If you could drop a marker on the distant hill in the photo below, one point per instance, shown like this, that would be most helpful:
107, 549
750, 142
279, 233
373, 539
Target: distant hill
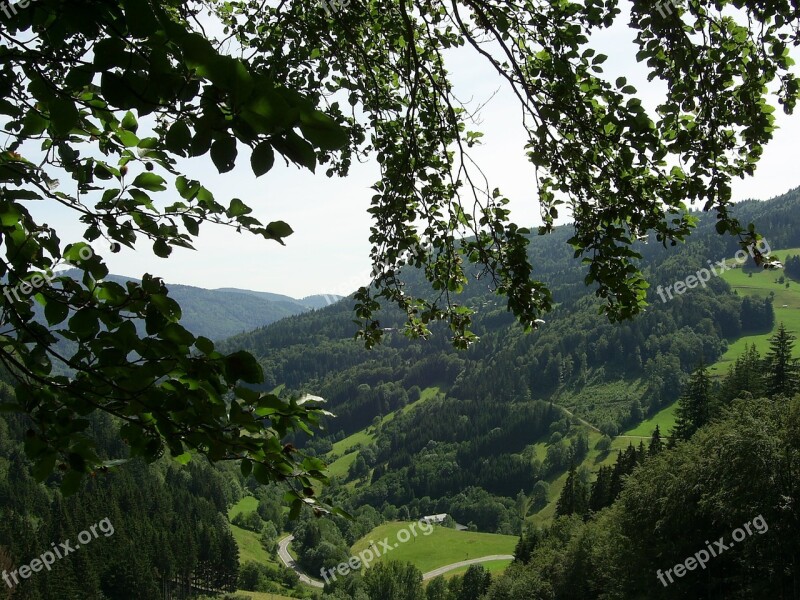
307, 303
222, 313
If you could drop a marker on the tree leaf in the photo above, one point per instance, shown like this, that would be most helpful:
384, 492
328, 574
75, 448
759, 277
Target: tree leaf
223, 153
262, 159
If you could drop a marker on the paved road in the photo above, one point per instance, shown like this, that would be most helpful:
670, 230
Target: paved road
464, 563
283, 553
286, 558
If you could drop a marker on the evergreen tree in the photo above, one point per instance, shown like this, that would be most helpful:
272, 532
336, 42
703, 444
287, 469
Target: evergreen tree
475, 583
600, 496
656, 445
573, 498
782, 370
694, 405
745, 377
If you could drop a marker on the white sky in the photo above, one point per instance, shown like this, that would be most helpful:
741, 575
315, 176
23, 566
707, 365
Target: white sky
329, 251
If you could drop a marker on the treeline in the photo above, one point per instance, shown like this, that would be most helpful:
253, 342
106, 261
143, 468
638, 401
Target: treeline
395, 580
733, 459
170, 536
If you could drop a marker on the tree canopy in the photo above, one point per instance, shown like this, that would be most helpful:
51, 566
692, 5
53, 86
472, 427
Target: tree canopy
103, 100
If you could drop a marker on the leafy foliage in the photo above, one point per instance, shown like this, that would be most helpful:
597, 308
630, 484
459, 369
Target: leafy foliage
101, 100
114, 93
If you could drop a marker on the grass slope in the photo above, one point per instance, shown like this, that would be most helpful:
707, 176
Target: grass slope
246, 505
786, 304
346, 451
495, 567
250, 548
442, 547
664, 419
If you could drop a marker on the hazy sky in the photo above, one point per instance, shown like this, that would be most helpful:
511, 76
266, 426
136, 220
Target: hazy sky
329, 251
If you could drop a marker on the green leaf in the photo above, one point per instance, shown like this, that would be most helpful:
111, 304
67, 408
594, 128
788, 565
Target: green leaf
296, 149
261, 473
238, 208
44, 466
279, 229
128, 138
129, 122
108, 53
223, 153
262, 159
115, 91
179, 138
141, 20
150, 182
205, 345
243, 366
63, 115
84, 323
177, 334
322, 131
71, 482
162, 248
55, 312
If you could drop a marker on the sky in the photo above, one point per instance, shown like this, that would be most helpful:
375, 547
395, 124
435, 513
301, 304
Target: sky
329, 250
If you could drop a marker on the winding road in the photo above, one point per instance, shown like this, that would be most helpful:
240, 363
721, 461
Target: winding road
465, 563
286, 558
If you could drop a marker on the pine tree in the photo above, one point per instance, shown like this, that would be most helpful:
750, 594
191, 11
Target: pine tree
656, 445
601, 490
782, 371
574, 497
745, 378
694, 405
566, 501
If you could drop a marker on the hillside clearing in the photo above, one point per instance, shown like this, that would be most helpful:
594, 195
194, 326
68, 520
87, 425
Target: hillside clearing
442, 547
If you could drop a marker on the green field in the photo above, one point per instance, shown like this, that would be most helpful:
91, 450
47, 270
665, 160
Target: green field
495, 567
786, 304
340, 466
250, 548
665, 419
246, 505
442, 547
359, 437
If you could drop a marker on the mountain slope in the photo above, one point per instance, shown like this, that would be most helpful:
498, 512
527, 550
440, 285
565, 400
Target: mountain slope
494, 432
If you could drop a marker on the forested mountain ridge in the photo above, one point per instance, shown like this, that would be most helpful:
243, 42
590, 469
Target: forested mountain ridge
313, 351
220, 313
472, 447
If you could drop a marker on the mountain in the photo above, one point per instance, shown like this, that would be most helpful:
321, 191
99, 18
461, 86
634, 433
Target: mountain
501, 424
309, 302
221, 313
